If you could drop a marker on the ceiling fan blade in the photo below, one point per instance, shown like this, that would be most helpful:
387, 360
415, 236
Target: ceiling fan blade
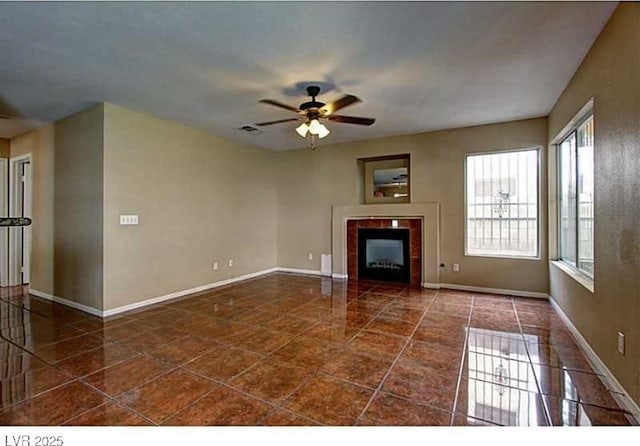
351, 119
279, 104
8, 111
262, 124
343, 102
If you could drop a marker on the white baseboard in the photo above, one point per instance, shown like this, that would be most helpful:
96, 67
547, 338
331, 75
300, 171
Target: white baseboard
339, 276
625, 401
479, 289
198, 289
311, 272
153, 300
67, 302
160, 299
431, 286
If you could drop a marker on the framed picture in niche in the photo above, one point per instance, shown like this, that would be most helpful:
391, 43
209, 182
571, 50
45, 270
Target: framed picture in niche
387, 180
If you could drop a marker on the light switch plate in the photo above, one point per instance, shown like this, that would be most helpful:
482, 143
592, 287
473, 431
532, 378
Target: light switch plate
128, 220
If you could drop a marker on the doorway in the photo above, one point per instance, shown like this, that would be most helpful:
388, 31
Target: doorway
4, 231
19, 206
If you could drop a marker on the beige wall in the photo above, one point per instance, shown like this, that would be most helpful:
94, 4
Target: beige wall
4, 148
200, 199
610, 74
78, 267
310, 182
66, 253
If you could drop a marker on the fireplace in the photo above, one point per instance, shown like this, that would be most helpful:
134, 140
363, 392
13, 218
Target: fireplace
383, 254
404, 232
422, 220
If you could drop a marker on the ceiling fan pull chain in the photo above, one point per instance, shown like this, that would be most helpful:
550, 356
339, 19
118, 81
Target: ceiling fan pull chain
313, 142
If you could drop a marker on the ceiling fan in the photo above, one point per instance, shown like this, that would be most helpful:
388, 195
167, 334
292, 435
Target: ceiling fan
313, 111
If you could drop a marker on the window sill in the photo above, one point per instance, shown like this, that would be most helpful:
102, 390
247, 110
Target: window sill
496, 256
577, 276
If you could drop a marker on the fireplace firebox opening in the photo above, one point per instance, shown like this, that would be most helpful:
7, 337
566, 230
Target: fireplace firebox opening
383, 254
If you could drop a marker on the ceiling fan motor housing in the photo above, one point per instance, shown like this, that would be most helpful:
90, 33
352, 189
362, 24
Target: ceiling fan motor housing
313, 91
311, 104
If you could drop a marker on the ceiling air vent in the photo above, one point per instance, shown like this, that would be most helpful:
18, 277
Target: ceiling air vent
250, 129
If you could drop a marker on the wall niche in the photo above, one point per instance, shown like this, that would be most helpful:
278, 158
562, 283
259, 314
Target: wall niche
386, 179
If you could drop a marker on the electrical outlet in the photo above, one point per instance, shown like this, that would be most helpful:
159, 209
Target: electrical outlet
215, 266
456, 267
310, 256
230, 263
621, 343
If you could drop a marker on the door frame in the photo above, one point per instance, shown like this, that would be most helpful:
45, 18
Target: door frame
15, 202
4, 212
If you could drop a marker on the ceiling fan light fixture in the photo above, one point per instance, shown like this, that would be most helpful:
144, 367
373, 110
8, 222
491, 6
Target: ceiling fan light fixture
314, 127
312, 111
302, 129
323, 131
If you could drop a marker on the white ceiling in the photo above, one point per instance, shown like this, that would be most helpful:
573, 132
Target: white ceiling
417, 66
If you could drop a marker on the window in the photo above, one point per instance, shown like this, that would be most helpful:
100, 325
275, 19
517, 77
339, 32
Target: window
502, 204
575, 179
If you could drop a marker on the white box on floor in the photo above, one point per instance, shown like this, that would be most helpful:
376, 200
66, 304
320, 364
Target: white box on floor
325, 264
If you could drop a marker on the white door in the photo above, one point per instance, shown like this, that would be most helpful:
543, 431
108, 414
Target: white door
25, 254
20, 206
4, 231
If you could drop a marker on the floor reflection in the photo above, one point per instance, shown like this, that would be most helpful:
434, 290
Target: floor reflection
572, 413
514, 380
501, 381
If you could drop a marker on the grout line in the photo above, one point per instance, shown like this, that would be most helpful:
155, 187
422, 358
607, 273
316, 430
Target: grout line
113, 401
460, 369
296, 414
64, 423
342, 348
395, 361
262, 357
542, 394
547, 415
272, 405
11, 406
345, 380
121, 361
286, 398
115, 398
222, 384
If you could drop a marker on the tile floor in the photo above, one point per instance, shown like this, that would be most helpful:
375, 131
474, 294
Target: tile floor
295, 350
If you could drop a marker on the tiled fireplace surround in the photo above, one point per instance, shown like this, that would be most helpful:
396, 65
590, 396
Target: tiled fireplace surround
422, 219
414, 225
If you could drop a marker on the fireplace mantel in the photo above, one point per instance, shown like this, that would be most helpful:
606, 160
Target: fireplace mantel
428, 212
